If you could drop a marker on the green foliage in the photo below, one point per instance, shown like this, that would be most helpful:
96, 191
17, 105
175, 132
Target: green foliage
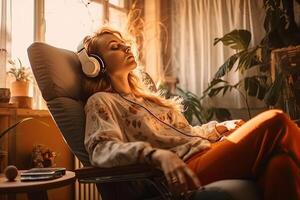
19, 71
281, 31
236, 39
193, 108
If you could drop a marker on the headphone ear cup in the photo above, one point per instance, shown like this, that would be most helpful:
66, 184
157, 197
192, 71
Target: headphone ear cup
90, 65
95, 66
99, 61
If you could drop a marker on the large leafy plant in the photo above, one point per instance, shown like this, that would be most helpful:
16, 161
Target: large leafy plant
281, 30
194, 111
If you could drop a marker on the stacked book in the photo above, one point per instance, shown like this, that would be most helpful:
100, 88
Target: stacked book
38, 174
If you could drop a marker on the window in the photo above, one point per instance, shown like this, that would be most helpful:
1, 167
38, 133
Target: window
61, 23
22, 28
68, 23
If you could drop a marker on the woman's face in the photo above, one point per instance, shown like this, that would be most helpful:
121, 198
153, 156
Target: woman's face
117, 56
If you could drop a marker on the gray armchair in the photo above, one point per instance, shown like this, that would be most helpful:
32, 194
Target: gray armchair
58, 75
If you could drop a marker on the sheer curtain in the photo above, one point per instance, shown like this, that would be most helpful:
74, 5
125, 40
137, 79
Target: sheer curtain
195, 24
5, 38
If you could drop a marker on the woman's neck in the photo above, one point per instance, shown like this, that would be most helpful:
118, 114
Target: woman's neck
121, 84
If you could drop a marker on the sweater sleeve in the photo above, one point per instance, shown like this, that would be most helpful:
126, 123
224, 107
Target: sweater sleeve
207, 130
104, 140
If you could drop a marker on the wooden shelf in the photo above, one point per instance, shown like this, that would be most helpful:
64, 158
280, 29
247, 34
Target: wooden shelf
22, 112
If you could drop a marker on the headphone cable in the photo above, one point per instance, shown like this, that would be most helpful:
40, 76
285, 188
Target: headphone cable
161, 121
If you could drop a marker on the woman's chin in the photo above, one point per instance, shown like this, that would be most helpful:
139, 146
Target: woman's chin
132, 65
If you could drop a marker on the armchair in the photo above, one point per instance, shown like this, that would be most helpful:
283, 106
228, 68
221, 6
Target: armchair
57, 72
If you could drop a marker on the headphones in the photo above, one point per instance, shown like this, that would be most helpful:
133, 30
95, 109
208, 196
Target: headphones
91, 64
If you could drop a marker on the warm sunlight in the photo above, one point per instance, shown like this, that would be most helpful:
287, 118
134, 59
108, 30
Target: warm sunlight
22, 28
68, 23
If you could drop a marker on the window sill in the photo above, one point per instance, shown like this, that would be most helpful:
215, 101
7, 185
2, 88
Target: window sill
23, 112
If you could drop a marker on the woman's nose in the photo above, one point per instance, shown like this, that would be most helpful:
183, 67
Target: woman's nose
126, 49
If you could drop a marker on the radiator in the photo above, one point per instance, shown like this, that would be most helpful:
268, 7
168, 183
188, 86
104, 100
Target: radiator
85, 191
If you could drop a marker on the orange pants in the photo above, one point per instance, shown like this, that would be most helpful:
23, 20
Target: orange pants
265, 149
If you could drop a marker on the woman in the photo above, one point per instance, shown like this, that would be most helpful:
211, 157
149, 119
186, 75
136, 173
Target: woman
127, 124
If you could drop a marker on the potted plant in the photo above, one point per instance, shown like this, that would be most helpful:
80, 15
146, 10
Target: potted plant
281, 31
20, 86
194, 111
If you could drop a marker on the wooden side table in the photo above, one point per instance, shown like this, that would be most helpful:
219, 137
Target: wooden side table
34, 189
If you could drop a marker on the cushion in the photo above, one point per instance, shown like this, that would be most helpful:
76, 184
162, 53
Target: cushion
56, 71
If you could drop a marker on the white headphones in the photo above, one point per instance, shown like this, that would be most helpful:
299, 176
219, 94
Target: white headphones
91, 64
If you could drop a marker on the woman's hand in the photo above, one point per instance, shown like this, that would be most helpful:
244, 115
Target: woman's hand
227, 127
180, 178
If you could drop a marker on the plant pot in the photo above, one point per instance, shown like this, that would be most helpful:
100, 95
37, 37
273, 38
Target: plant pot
19, 88
22, 101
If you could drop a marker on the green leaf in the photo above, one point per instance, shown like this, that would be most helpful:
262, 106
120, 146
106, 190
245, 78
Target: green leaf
274, 92
256, 86
227, 66
212, 84
216, 91
236, 39
222, 114
247, 60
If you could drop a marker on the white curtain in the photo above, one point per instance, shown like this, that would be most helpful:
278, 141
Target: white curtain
5, 38
195, 24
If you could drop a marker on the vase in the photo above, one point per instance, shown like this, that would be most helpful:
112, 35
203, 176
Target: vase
19, 88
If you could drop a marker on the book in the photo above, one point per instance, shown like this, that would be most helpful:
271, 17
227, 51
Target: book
37, 174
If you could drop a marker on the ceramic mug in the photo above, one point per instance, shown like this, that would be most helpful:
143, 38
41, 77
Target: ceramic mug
4, 95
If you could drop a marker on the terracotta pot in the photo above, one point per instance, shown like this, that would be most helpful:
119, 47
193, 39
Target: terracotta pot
19, 88
4, 95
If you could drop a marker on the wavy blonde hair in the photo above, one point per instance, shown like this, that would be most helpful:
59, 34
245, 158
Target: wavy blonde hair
138, 85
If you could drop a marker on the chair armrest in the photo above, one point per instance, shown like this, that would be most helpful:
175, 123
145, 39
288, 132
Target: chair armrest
122, 173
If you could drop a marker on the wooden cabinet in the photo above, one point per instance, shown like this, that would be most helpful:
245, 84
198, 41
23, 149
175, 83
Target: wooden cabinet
20, 141
285, 71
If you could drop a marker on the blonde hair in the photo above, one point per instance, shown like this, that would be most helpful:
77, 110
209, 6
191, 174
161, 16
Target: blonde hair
138, 85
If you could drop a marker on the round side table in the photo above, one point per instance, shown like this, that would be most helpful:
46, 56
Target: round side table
34, 189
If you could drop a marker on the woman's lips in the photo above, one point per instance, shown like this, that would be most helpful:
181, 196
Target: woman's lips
129, 57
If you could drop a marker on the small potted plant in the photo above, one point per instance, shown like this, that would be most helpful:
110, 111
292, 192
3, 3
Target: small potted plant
20, 86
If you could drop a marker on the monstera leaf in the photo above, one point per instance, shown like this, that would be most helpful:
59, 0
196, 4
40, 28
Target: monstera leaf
227, 66
256, 86
236, 39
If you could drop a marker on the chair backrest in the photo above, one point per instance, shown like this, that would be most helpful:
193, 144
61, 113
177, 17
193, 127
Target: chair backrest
58, 75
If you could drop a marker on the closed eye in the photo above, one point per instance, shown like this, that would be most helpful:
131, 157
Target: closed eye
115, 46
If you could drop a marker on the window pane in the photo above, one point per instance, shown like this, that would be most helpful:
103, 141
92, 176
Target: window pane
22, 29
68, 21
117, 2
117, 19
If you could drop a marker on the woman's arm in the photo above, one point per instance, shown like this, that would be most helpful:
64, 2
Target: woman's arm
105, 144
104, 140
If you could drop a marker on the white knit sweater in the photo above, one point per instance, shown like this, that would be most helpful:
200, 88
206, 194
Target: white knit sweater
121, 133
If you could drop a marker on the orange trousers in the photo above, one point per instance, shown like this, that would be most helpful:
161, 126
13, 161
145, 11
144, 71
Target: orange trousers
265, 149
